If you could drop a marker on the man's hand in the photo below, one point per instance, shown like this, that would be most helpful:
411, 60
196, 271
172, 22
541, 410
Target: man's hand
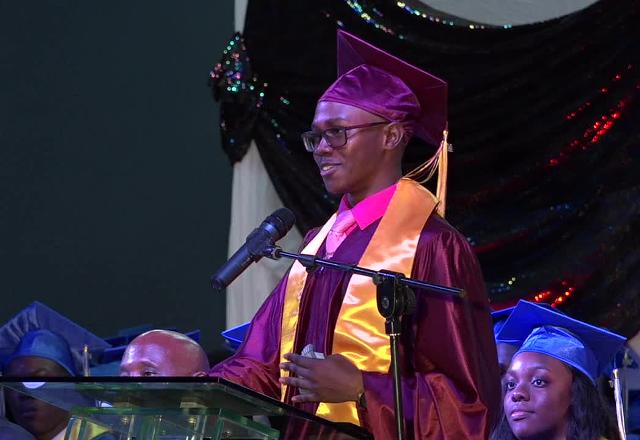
333, 380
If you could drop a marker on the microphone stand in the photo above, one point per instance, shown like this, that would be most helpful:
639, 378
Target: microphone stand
394, 299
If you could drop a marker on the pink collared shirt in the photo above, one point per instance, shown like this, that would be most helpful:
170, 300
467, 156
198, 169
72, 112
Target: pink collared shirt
370, 209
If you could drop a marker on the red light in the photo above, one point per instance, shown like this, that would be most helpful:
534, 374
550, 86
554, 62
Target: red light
553, 162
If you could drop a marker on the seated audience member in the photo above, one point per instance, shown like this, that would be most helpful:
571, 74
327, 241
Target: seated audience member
40, 342
550, 386
40, 353
164, 353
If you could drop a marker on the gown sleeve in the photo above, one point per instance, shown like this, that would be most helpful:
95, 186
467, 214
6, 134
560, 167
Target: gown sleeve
256, 363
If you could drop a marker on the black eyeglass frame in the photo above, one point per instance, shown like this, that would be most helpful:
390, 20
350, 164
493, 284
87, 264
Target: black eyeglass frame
311, 139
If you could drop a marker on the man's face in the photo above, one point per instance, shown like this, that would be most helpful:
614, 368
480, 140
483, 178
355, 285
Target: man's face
354, 168
158, 355
537, 396
39, 418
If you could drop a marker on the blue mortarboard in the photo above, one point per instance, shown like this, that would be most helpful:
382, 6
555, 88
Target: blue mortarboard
499, 317
48, 345
38, 316
234, 336
542, 330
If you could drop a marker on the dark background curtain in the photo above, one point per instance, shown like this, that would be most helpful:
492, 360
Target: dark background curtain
544, 120
113, 187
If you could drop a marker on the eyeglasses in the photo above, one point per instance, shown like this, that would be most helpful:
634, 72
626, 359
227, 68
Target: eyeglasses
335, 137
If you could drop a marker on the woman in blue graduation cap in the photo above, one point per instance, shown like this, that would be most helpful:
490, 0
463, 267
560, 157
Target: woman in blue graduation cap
550, 386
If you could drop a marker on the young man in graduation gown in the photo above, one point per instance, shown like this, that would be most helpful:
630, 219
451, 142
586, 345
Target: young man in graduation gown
386, 221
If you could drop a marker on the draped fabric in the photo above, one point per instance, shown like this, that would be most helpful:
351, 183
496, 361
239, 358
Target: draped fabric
543, 119
253, 198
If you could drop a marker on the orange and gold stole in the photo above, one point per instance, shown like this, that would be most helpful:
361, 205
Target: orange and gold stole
359, 332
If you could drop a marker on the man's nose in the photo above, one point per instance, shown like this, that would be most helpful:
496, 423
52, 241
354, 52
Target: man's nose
323, 148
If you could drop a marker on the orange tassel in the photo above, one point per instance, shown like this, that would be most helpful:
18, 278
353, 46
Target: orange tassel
438, 162
443, 166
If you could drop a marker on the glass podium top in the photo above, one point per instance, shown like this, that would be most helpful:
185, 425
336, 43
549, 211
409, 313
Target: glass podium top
169, 408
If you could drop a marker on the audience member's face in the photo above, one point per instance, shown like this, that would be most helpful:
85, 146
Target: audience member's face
41, 419
160, 355
505, 353
537, 396
354, 167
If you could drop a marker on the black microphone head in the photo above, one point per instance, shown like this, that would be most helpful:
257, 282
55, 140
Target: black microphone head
283, 220
272, 229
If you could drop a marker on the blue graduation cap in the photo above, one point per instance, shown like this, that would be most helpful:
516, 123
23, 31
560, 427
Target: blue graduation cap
538, 329
48, 345
234, 336
40, 331
499, 317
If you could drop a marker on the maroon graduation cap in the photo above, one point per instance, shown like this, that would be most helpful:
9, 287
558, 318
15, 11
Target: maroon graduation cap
375, 81
382, 84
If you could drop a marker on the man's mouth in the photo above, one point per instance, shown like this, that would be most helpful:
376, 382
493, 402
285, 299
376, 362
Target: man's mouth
328, 168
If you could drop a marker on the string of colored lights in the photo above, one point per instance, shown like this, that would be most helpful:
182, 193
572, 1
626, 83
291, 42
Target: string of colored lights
234, 75
599, 127
374, 17
591, 135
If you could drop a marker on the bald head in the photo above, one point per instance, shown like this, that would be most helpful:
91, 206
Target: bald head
164, 353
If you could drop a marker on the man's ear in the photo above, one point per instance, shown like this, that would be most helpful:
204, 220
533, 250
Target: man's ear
394, 136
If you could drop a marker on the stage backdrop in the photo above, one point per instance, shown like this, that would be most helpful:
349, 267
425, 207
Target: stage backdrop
114, 192
544, 122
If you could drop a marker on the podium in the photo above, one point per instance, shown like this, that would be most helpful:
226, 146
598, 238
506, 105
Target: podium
164, 408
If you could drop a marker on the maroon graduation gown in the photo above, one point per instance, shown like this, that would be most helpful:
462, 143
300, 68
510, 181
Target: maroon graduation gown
450, 376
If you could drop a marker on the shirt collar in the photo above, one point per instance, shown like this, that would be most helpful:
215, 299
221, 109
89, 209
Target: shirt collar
370, 209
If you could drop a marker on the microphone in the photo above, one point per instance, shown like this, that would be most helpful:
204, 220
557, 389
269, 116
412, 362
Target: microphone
272, 229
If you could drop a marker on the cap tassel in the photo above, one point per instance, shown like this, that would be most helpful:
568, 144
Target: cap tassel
443, 166
439, 161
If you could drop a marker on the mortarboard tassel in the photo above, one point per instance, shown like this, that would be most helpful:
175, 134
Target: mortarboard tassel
443, 166
620, 414
438, 162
